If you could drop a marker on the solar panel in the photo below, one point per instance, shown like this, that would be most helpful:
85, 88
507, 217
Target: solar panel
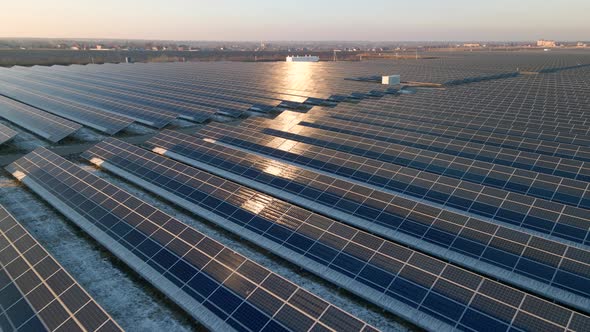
475, 151
36, 293
143, 112
209, 84
44, 124
554, 149
217, 286
173, 96
398, 279
88, 116
476, 241
144, 96
442, 109
545, 217
6, 134
462, 167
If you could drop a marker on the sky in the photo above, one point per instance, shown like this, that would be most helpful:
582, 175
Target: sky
290, 20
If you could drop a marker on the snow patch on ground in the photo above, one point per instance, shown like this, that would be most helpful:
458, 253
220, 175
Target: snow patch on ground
180, 123
137, 129
87, 135
358, 307
222, 118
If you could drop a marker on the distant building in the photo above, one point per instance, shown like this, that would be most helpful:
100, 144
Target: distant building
100, 48
305, 58
470, 45
580, 44
391, 80
546, 43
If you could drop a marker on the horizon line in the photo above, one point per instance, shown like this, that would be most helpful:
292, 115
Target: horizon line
295, 40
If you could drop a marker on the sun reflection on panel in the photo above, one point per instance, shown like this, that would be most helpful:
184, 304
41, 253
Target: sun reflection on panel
273, 170
256, 204
298, 75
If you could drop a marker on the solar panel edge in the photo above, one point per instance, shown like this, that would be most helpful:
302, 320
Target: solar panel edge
48, 255
46, 135
197, 310
72, 126
466, 262
421, 319
8, 132
17, 287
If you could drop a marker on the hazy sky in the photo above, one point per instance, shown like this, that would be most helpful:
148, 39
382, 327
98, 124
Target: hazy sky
298, 19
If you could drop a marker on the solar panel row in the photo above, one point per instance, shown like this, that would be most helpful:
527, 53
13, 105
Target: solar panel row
219, 287
462, 167
243, 79
6, 134
36, 293
143, 113
302, 81
506, 114
501, 156
544, 217
154, 94
131, 93
44, 124
382, 213
88, 116
554, 149
181, 98
401, 280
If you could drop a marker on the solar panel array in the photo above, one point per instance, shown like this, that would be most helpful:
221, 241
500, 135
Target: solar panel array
71, 110
385, 273
155, 94
465, 207
217, 286
386, 213
44, 124
36, 293
79, 93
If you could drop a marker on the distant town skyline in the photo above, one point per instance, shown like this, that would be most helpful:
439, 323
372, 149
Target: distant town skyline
372, 20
